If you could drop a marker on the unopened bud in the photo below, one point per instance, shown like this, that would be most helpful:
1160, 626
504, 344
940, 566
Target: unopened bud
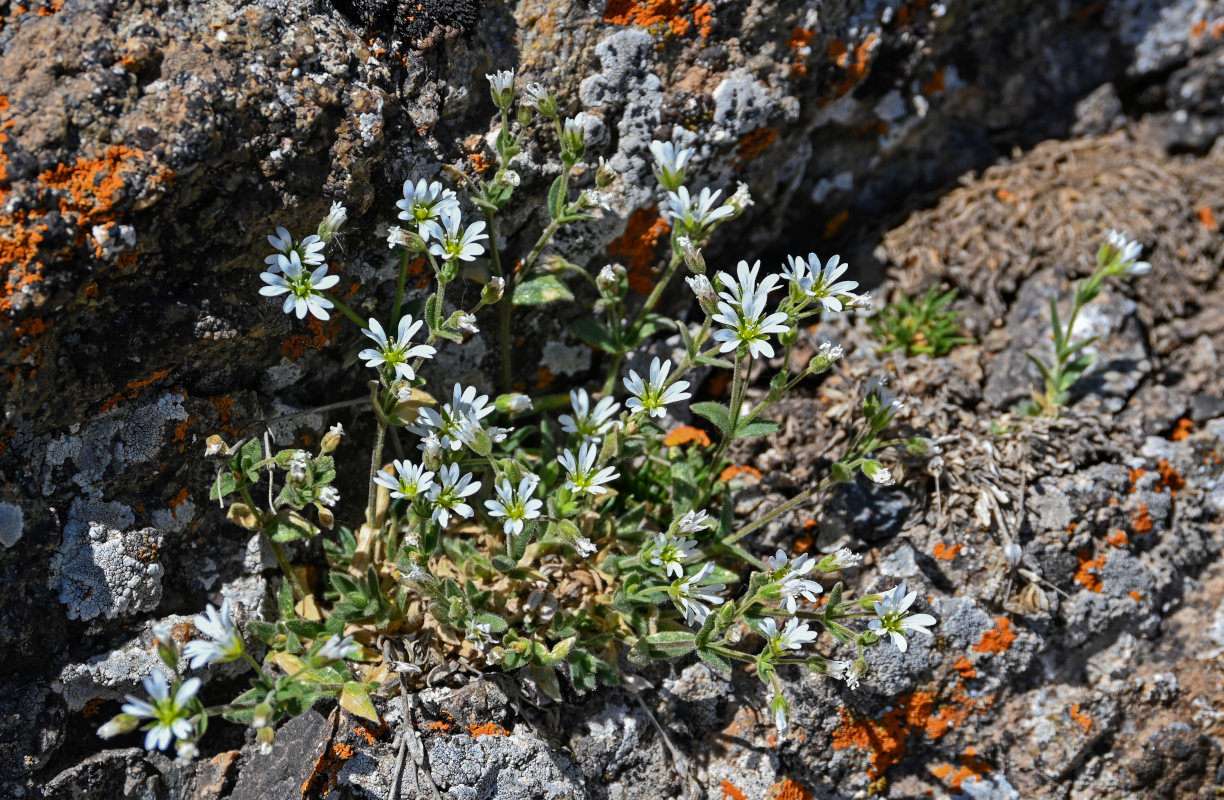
331, 439
266, 738
326, 517
514, 403
608, 280
263, 715
242, 514
493, 290
431, 453
119, 725
167, 649
692, 256
605, 176
501, 87
706, 295
573, 135
333, 222
409, 240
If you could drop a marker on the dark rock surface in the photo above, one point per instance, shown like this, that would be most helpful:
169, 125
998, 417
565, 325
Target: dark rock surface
147, 148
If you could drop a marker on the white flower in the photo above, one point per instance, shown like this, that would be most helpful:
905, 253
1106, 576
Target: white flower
451, 240
501, 86
398, 237
877, 394
329, 496
746, 327
671, 553
846, 670
878, 472
653, 395
820, 283
704, 290
424, 202
170, 713
694, 596
669, 164
298, 466
589, 423
793, 637
448, 496
741, 199
467, 323
409, 482
744, 284
517, 506
335, 220
780, 710
309, 250
693, 215
790, 580
459, 420
337, 649
585, 546
302, 289
479, 634
583, 477
510, 177
694, 521
185, 751
540, 99
517, 403
224, 642
573, 133
891, 620
1119, 249
842, 559
395, 353
608, 281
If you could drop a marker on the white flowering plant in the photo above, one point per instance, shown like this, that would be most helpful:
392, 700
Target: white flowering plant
514, 539
1117, 257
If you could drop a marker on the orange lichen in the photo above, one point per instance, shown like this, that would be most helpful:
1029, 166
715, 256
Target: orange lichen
1135, 475
735, 471
916, 712
178, 499
91, 188
788, 789
1207, 218
935, 84
1170, 478
1198, 28
1183, 429
1081, 719
1135, 595
945, 553
971, 766
1118, 538
686, 434
732, 792
753, 144
669, 17
1141, 519
544, 377
835, 224
638, 245
480, 162
323, 776
370, 734
799, 42
487, 729
296, 345
856, 64
133, 388
997, 639
1085, 575
965, 668
91, 708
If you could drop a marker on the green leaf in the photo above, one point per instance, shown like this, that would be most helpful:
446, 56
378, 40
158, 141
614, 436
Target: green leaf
546, 680
757, 427
710, 361
541, 290
716, 413
282, 530
493, 621
716, 660
284, 599
356, 700
503, 563
263, 631
556, 200
690, 348
225, 484
595, 334
662, 645
250, 455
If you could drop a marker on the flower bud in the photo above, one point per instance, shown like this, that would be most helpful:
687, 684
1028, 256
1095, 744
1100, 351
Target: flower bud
692, 256
326, 517
605, 176
266, 738
706, 295
877, 472
493, 291
431, 454
263, 715
741, 199
167, 648
573, 135
409, 240
842, 472
119, 725
242, 514
608, 280
464, 321
333, 222
331, 439
186, 750
501, 87
514, 403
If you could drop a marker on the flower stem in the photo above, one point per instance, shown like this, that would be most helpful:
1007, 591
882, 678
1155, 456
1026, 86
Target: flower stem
380, 437
794, 502
348, 312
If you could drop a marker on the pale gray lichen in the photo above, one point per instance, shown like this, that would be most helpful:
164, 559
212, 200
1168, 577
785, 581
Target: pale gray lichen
12, 524
109, 676
102, 569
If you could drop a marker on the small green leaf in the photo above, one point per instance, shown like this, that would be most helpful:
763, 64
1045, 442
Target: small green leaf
556, 200
225, 484
284, 599
716, 413
282, 530
757, 427
541, 290
496, 623
716, 660
595, 334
